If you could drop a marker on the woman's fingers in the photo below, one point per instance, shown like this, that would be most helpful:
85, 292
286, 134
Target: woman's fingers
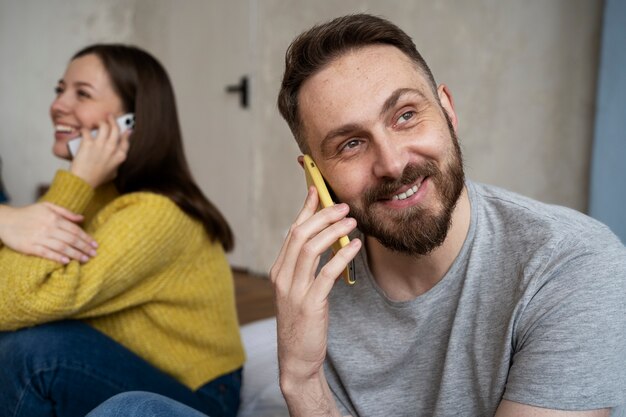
71, 233
63, 212
48, 231
98, 159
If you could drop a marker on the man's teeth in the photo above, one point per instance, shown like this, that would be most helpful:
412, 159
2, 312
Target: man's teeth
408, 193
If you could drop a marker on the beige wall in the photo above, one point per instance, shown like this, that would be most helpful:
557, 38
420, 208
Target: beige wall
522, 74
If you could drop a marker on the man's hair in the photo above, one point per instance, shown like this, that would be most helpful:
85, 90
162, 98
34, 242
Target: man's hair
318, 46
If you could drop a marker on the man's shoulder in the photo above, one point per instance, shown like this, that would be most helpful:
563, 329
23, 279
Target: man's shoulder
523, 217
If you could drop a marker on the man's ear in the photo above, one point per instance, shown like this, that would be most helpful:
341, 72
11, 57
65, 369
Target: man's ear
447, 102
301, 161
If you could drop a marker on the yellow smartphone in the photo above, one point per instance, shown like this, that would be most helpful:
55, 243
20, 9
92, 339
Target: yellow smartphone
314, 177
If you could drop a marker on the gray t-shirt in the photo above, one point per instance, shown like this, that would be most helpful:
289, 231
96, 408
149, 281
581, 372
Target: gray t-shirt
533, 310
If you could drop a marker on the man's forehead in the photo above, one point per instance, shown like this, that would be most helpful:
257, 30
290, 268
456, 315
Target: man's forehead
355, 85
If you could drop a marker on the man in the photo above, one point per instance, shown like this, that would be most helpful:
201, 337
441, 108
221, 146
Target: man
469, 300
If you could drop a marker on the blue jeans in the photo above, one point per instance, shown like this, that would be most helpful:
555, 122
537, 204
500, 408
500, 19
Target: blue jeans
143, 404
68, 368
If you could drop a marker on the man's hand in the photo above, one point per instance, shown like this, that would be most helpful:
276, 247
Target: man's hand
302, 302
98, 159
46, 230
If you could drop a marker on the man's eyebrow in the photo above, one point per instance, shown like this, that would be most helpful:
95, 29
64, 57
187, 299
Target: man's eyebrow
395, 96
387, 105
340, 131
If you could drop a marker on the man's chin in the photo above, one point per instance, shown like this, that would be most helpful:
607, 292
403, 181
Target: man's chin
414, 232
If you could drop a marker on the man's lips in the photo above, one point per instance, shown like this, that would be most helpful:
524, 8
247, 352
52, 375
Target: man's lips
406, 191
407, 196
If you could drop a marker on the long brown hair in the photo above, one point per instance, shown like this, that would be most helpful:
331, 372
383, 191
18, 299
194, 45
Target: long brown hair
156, 160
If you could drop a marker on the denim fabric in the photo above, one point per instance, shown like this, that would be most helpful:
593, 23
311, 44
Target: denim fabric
68, 368
143, 404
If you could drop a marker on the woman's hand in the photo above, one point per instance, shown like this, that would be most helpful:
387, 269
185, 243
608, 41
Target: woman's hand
98, 159
46, 230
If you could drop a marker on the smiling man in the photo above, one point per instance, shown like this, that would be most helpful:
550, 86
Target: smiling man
469, 300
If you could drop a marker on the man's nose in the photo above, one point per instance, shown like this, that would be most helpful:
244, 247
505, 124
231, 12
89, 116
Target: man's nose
390, 158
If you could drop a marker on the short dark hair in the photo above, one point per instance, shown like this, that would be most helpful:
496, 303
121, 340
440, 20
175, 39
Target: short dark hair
156, 159
318, 46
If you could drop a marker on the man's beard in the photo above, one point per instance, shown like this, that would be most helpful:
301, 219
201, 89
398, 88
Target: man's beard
417, 230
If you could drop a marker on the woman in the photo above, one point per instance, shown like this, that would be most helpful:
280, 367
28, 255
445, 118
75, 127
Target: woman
141, 296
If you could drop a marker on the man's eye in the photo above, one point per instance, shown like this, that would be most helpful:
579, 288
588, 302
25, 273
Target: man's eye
351, 144
58, 90
83, 94
406, 116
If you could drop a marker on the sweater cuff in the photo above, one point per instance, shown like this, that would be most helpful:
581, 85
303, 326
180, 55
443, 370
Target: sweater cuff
69, 191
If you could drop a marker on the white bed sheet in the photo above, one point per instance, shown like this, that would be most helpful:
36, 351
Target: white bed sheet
261, 396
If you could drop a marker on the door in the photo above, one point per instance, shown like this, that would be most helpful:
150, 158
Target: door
205, 47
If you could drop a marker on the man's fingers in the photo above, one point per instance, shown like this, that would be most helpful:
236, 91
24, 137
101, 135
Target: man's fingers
332, 270
316, 246
310, 206
309, 202
302, 233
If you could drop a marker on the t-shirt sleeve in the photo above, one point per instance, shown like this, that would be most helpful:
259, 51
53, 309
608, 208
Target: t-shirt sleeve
569, 347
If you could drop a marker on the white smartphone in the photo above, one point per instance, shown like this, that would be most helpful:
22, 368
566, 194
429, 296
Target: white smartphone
314, 177
124, 123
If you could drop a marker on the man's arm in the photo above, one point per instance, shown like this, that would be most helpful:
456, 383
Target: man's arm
302, 304
514, 409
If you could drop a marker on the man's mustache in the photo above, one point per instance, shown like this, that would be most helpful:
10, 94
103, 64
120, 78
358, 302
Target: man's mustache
411, 173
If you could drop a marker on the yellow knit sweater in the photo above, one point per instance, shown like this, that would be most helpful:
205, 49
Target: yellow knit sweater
158, 285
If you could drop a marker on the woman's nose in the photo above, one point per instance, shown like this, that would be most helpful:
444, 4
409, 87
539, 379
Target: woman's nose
60, 105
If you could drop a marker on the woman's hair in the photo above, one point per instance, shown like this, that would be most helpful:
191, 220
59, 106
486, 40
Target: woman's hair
156, 160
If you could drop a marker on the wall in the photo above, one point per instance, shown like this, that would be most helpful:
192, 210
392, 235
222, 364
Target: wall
37, 38
522, 75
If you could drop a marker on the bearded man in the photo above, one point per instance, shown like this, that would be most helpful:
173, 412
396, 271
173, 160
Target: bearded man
469, 300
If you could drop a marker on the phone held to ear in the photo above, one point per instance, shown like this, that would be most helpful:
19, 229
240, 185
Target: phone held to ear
124, 123
314, 177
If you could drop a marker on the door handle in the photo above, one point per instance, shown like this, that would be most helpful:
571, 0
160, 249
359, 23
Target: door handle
242, 89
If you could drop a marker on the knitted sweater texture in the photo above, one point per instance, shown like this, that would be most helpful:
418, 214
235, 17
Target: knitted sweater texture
158, 285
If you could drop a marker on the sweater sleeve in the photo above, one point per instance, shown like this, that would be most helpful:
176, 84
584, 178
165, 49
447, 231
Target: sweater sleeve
139, 235
69, 191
